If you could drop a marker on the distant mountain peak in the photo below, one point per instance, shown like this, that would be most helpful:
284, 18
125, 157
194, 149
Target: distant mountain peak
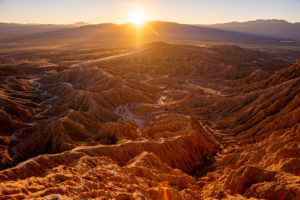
80, 24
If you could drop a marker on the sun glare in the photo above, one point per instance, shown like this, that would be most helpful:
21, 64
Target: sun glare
138, 17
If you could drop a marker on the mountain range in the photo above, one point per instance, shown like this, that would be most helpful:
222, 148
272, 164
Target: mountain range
253, 31
271, 28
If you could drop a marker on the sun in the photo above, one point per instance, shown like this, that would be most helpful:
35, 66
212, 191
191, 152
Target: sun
138, 17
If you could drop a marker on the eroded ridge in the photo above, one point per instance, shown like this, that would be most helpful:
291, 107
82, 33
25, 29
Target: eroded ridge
162, 122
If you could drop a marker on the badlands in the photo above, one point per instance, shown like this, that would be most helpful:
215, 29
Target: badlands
164, 121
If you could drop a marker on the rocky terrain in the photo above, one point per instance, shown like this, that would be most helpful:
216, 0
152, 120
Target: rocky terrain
161, 122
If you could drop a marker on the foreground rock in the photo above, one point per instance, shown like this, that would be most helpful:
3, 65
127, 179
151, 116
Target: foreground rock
138, 169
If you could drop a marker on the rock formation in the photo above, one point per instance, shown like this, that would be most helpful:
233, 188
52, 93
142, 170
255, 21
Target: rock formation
162, 122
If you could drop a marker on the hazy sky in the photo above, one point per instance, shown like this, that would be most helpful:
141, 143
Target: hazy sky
119, 11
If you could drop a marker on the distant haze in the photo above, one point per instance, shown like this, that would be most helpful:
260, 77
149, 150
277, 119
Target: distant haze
118, 11
272, 28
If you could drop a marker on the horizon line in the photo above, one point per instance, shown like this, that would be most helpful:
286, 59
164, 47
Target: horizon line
88, 23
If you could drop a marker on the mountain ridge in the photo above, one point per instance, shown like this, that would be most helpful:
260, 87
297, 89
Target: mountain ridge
272, 28
149, 31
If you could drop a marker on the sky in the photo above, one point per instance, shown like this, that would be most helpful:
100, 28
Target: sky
119, 11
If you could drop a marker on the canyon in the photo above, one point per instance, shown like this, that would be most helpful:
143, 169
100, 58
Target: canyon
164, 121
